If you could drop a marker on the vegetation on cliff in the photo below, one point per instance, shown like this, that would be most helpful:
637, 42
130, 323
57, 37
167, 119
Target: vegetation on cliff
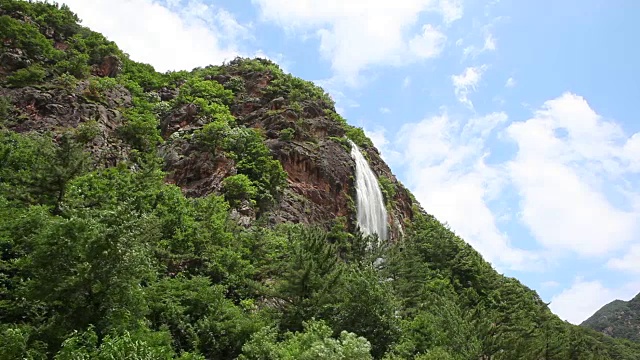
124, 195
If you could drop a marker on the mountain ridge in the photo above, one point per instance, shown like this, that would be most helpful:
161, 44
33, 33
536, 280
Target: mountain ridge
618, 319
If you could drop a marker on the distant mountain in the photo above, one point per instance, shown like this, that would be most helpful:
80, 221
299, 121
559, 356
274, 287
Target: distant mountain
619, 319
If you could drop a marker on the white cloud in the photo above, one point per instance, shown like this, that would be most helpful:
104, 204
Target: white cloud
451, 10
359, 34
569, 163
568, 159
511, 82
584, 298
385, 110
629, 262
446, 170
488, 45
406, 82
466, 82
149, 32
380, 141
429, 43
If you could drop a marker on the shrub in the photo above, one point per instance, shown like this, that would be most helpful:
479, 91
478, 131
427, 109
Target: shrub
287, 134
238, 187
358, 136
66, 81
27, 76
98, 86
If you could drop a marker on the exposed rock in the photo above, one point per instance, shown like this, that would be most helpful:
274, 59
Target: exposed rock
167, 94
111, 66
13, 59
183, 118
197, 172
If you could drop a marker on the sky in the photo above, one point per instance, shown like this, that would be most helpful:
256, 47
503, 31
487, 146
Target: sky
514, 122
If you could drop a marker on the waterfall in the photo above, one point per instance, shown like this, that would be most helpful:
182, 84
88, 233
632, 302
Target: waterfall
372, 214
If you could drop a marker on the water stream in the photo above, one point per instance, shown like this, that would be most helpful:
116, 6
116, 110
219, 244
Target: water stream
372, 214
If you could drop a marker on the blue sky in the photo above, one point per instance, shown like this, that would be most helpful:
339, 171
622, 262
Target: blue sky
513, 121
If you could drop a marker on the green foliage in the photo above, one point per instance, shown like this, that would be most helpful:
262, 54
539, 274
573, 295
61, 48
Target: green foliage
388, 189
75, 63
287, 134
94, 45
315, 342
238, 187
6, 110
140, 345
210, 91
25, 36
66, 81
200, 318
247, 148
35, 170
235, 84
140, 129
246, 65
143, 75
295, 89
358, 136
98, 86
31, 75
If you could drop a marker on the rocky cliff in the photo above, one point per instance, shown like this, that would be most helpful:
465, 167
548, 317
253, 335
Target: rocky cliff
306, 136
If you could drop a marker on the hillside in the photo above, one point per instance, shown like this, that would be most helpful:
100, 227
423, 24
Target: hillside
211, 214
619, 319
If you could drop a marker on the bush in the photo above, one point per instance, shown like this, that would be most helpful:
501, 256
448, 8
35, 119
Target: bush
287, 134
5, 109
238, 187
98, 86
388, 188
27, 37
358, 136
76, 64
28, 76
66, 81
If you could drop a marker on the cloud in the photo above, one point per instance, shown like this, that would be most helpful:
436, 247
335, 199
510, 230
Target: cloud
385, 110
380, 141
466, 82
568, 166
488, 45
446, 170
629, 262
360, 34
428, 44
451, 10
584, 298
149, 32
568, 160
406, 82
511, 82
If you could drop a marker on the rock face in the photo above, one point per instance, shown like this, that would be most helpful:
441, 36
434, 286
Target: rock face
318, 164
310, 145
54, 108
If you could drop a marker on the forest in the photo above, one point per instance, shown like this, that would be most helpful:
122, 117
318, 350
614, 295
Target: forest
102, 258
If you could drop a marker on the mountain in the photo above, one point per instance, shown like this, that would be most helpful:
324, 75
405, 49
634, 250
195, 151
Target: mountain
619, 319
217, 213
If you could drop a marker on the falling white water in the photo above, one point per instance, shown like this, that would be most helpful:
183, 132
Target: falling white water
372, 214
